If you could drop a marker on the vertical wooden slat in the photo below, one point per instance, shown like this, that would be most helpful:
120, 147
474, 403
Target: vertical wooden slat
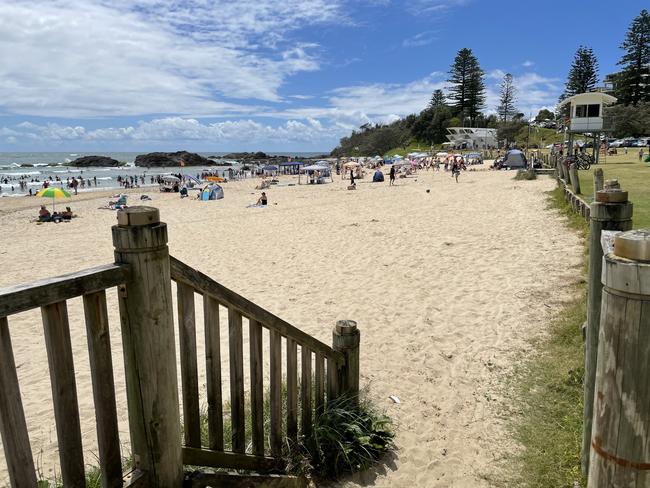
305, 391
189, 374
213, 372
101, 370
320, 382
332, 380
64, 392
257, 387
237, 380
276, 392
15, 440
292, 390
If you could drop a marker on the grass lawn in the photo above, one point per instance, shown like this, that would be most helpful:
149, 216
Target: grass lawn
633, 176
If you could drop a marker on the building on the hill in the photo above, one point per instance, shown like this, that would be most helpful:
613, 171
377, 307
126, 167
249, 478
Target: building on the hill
471, 138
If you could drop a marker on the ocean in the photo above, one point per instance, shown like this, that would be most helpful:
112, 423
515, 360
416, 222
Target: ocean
46, 165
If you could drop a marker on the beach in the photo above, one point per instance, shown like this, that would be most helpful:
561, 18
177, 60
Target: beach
448, 287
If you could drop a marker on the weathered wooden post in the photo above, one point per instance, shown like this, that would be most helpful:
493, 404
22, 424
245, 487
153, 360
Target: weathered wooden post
598, 181
620, 454
610, 211
575, 180
346, 339
146, 316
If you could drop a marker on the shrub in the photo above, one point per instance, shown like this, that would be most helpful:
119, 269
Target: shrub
348, 438
526, 174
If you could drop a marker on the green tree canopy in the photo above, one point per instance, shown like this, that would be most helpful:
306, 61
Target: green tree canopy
583, 74
466, 85
633, 82
507, 99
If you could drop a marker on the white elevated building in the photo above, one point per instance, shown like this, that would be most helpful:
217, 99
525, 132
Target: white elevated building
471, 138
586, 113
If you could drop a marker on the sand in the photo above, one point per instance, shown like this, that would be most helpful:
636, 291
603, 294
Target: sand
448, 289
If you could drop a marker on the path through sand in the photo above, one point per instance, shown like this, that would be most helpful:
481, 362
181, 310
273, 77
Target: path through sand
447, 287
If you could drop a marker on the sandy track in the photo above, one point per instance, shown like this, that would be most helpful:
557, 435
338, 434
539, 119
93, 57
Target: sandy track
447, 288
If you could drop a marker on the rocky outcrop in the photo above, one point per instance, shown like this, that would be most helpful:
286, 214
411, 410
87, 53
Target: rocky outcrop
158, 159
95, 161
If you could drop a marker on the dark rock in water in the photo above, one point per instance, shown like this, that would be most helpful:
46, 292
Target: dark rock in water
247, 156
172, 159
95, 161
26, 165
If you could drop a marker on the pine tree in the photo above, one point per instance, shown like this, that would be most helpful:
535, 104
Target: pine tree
583, 74
467, 89
437, 99
633, 83
506, 108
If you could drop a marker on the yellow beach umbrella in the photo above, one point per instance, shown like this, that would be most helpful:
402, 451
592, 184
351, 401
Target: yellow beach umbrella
53, 192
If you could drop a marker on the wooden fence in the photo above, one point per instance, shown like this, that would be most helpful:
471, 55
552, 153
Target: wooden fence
142, 272
616, 422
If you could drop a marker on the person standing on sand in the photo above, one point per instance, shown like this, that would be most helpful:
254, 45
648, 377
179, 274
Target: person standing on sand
455, 169
392, 175
351, 177
640, 155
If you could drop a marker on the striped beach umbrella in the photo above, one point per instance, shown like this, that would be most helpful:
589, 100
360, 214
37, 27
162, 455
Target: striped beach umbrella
53, 192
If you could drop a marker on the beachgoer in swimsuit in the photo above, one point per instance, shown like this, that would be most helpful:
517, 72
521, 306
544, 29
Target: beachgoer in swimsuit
262, 200
392, 175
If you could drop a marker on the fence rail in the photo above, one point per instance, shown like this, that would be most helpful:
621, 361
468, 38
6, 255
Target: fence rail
326, 361
315, 373
51, 295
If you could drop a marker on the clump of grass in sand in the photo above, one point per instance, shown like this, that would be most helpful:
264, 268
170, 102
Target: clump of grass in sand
526, 174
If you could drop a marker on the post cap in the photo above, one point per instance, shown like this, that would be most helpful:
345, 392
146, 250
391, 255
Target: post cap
612, 184
611, 195
633, 244
345, 327
138, 216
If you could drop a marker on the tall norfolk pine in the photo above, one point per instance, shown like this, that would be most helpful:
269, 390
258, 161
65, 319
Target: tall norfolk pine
583, 74
466, 85
633, 82
507, 98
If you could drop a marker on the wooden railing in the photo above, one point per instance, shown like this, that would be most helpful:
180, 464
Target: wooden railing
315, 356
143, 272
51, 296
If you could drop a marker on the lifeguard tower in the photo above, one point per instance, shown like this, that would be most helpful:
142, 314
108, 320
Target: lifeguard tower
586, 117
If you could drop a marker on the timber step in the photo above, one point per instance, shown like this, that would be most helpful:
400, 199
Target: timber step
236, 480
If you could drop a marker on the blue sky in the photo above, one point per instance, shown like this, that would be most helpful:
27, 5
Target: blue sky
290, 75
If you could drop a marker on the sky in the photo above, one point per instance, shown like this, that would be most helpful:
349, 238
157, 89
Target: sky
288, 75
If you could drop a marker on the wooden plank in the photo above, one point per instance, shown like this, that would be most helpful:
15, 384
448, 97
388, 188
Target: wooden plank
319, 381
275, 374
19, 298
257, 387
101, 370
204, 284
213, 372
332, 380
305, 392
237, 415
15, 440
219, 459
64, 393
248, 480
292, 390
189, 370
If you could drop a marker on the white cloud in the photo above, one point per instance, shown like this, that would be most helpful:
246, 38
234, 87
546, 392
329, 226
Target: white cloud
420, 7
421, 39
527, 64
95, 58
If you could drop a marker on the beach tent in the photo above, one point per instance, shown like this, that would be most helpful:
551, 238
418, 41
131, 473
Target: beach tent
514, 159
270, 169
212, 192
378, 177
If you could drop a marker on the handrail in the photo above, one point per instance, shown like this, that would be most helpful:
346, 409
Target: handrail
205, 285
19, 298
